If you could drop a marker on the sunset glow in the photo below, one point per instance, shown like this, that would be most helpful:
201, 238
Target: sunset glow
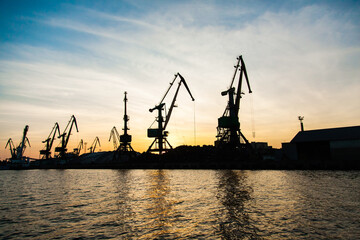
63, 58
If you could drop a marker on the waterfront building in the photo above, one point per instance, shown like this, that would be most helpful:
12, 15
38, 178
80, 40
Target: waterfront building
325, 146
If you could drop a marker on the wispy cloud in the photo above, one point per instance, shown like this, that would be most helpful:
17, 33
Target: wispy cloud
304, 61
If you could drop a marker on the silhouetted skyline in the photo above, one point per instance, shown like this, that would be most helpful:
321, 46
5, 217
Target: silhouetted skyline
59, 59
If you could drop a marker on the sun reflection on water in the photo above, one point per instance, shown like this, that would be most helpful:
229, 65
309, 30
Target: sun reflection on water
178, 204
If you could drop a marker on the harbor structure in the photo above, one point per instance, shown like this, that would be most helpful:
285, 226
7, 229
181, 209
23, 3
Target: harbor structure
229, 134
161, 144
325, 146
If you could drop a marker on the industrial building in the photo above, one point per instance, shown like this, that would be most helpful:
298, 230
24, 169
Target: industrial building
325, 147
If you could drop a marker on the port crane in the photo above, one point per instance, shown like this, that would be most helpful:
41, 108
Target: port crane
18, 152
228, 130
65, 136
93, 145
160, 133
22, 146
12, 148
125, 139
114, 134
46, 153
79, 147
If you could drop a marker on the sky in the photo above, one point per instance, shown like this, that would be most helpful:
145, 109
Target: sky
63, 58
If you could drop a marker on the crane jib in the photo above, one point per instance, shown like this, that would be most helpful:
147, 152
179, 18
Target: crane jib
185, 84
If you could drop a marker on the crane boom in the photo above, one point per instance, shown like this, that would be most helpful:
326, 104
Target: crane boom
236, 69
238, 94
182, 80
71, 122
176, 75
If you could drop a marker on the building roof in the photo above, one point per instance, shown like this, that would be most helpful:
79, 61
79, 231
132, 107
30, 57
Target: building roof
330, 134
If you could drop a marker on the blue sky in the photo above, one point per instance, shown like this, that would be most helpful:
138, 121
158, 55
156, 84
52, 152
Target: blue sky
59, 58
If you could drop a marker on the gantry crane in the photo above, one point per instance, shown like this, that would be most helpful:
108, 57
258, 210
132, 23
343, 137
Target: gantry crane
93, 145
228, 130
46, 153
114, 134
125, 139
79, 147
159, 133
65, 136
10, 143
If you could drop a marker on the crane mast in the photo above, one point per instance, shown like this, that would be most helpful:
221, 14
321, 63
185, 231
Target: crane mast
49, 142
159, 133
228, 130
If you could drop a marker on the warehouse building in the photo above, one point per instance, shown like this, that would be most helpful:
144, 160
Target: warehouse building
325, 146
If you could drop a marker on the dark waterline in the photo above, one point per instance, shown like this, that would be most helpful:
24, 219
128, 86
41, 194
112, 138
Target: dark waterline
179, 204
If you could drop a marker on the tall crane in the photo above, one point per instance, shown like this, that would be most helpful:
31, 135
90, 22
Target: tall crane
22, 146
79, 147
93, 145
10, 143
65, 136
114, 134
159, 133
125, 139
46, 153
228, 130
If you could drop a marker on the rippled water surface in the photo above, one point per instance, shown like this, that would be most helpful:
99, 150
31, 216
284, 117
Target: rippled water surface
179, 204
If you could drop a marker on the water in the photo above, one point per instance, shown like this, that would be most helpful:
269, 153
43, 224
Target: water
179, 204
